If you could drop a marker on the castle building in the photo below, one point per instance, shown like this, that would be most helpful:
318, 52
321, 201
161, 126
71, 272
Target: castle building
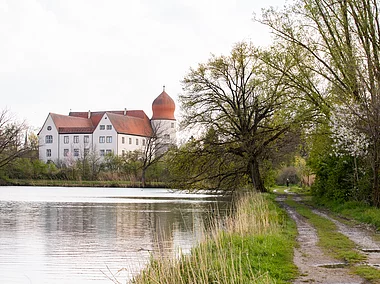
66, 138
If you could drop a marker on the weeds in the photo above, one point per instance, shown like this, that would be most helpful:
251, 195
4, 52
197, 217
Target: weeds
255, 245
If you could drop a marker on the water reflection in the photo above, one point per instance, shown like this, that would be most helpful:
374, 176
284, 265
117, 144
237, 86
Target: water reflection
54, 239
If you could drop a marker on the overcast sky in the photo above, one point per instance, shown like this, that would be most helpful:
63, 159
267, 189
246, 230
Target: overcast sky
80, 55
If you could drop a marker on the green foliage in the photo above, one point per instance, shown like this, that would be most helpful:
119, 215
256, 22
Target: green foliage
25, 168
203, 165
243, 104
335, 179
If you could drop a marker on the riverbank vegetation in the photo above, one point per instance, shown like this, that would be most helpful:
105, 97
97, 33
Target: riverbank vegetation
254, 245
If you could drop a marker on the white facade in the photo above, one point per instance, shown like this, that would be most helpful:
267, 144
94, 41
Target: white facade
105, 137
67, 138
69, 147
166, 130
129, 143
48, 148
73, 146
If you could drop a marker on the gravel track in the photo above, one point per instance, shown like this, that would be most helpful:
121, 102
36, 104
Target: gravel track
313, 264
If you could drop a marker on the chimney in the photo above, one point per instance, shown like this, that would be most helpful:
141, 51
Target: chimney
89, 114
125, 111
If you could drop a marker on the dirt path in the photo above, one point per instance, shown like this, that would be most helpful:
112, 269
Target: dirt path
313, 264
361, 237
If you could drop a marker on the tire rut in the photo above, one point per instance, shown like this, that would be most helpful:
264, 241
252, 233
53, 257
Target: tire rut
313, 264
361, 237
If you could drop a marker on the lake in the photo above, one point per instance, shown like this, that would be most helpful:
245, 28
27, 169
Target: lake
92, 235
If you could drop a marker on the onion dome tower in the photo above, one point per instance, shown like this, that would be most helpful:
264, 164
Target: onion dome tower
163, 107
163, 120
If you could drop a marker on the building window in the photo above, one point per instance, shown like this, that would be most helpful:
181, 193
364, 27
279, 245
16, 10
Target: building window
167, 137
122, 140
109, 139
102, 127
143, 142
130, 140
49, 128
66, 139
65, 152
101, 153
76, 139
109, 127
86, 139
102, 139
108, 152
172, 124
76, 152
48, 152
49, 139
86, 152
137, 141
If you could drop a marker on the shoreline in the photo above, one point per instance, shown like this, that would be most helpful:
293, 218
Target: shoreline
69, 183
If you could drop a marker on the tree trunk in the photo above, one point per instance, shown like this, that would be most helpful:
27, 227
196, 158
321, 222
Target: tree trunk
375, 183
143, 178
255, 176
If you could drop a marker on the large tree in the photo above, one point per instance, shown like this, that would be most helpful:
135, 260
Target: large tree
245, 102
341, 42
13, 142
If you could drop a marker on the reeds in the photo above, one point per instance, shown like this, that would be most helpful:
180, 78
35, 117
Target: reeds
251, 246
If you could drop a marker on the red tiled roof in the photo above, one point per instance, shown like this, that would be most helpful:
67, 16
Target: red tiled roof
135, 122
96, 116
134, 125
75, 124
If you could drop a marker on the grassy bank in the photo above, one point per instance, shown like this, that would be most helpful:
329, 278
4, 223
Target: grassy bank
75, 183
255, 245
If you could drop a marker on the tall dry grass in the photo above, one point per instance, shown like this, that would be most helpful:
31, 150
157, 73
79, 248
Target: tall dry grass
248, 247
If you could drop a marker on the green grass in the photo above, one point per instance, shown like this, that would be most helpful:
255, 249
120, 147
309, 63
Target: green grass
370, 273
255, 245
331, 241
355, 210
